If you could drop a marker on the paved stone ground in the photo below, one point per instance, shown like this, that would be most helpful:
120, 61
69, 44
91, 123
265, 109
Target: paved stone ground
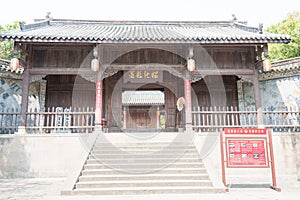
49, 189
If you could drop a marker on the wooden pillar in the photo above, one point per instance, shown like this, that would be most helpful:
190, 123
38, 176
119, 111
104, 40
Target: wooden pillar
158, 118
124, 118
188, 104
99, 97
257, 97
24, 102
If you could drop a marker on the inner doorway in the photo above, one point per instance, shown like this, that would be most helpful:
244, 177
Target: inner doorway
69, 91
143, 110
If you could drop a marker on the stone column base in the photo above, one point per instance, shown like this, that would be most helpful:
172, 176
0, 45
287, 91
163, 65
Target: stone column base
298, 171
189, 128
21, 130
98, 128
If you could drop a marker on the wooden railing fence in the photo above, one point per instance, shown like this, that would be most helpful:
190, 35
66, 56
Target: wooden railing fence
51, 120
214, 118
205, 119
9, 120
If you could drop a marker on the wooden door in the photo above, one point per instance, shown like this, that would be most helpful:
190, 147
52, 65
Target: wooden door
171, 110
141, 117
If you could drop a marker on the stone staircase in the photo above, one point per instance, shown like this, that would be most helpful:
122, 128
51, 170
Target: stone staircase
142, 168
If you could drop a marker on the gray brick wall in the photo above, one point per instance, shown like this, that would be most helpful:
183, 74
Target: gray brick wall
275, 93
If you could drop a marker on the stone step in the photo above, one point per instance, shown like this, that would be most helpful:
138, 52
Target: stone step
143, 165
125, 155
148, 183
143, 190
145, 170
137, 156
135, 168
93, 160
143, 177
142, 150
147, 160
145, 144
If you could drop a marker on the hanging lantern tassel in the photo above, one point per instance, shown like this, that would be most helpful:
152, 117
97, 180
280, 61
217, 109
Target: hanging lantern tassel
191, 65
267, 65
95, 66
14, 64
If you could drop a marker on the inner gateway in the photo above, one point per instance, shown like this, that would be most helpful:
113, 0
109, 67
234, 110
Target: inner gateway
141, 88
143, 109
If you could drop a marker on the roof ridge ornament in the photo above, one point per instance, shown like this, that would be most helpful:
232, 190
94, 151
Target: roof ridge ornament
260, 28
47, 17
234, 18
36, 25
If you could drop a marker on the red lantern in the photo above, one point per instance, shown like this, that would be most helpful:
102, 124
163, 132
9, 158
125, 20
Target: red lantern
14, 64
267, 65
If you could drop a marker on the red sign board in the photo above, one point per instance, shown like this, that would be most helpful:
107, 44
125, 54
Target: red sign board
247, 148
262, 131
246, 152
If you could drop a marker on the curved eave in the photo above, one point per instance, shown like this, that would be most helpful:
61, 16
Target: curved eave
212, 40
4, 67
142, 104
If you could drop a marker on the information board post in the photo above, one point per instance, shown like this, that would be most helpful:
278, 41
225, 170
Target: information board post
272, 160
222, 158
247, 148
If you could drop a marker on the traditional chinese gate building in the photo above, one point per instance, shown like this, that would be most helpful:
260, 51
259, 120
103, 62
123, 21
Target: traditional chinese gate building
131, 76
145, 67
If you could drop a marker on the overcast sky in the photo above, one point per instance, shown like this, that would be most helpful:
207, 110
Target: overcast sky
253, 11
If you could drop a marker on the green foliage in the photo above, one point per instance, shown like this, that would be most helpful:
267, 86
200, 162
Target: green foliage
6, 47
291, 27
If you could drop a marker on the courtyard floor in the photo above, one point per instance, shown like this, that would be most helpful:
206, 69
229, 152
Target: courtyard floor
29, 189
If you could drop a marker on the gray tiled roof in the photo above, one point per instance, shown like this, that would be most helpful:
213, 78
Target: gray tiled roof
4, 66
143, 98
141, 32
286, 64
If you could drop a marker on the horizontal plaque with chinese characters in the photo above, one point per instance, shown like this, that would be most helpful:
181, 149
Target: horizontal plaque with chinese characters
143, 76
262, 131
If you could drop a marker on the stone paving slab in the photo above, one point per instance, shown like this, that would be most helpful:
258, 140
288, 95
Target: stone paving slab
49, 189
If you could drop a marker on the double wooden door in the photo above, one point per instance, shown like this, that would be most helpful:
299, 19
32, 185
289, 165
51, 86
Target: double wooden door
141, 117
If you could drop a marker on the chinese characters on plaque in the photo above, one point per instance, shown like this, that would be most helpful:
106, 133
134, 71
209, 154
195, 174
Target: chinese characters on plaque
245, 131
247, 152
143, 76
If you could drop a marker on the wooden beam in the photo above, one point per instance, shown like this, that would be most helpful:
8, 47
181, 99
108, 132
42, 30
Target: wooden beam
61, 45
61, 71
154, 66
148, 66
223, 72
